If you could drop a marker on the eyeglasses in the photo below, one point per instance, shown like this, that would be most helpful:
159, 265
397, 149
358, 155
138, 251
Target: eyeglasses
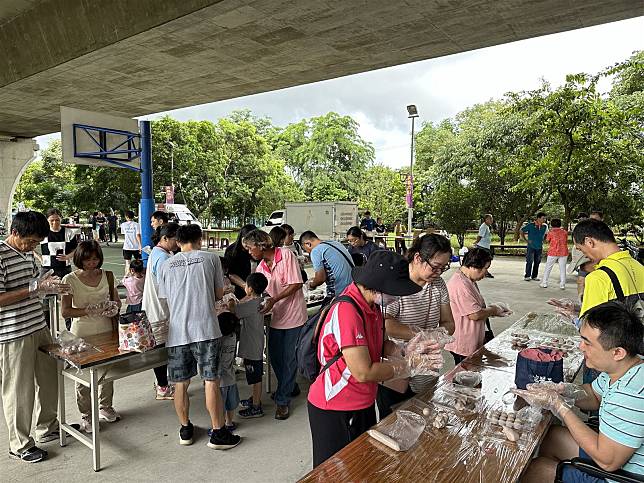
438, 268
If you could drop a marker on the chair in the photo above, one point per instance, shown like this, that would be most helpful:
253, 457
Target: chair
590, 468
223, 243
211, 242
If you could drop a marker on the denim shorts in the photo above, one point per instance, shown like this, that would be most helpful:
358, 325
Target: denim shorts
183, 361
230, 396
254, 371
573, 475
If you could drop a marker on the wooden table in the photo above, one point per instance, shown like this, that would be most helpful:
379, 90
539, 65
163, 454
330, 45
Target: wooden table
93, 369
462, 452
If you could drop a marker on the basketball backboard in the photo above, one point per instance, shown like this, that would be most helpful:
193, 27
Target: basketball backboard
99, 139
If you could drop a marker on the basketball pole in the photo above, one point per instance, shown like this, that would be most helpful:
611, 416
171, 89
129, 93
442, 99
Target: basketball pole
147, 196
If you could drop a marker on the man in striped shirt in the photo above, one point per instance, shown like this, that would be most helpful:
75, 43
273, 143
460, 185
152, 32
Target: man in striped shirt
22, 331
612, 338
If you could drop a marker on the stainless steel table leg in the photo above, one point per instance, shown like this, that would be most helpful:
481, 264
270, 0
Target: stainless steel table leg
96, 446
60, 365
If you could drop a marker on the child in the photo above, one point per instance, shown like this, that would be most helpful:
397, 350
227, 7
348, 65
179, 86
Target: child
134, 283
557, 252
251, 342
228, 323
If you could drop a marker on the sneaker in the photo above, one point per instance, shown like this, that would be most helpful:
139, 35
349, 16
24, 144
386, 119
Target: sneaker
186, 433
51, 436
562, 287
251, 412
31, 455
246, 403
109, 415
165, 393
527, 279
231, 427
536, 279
223, 439
86, 423
543, 285
282, 413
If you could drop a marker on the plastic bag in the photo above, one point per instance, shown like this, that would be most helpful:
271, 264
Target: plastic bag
506, 311
403, 433
106, 308
72, 348
458, 398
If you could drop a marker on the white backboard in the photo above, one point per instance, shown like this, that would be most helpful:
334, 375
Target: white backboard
78, 140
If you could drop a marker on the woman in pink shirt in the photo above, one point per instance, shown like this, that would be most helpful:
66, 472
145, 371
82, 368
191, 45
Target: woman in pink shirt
468, 306
288, 312
557, 253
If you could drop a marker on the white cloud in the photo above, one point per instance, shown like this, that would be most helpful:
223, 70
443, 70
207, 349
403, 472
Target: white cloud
439, 87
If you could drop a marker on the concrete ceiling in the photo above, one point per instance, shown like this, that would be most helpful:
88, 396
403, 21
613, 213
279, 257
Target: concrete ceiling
139, 57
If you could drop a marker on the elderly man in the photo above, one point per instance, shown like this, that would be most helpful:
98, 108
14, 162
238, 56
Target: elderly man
286, 302
23, 368
611, 337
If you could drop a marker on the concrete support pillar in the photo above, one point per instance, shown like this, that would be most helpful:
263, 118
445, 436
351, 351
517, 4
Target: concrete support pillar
15, 156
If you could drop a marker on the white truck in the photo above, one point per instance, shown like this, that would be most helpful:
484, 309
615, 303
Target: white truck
181, 213
330, 220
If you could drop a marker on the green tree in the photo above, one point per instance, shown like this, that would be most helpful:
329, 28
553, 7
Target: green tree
456, 207
382, 193
326, 156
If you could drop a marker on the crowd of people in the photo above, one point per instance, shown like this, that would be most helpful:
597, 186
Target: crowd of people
383, 326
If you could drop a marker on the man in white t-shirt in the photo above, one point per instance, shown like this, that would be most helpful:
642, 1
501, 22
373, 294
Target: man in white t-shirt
484, 237
132, 244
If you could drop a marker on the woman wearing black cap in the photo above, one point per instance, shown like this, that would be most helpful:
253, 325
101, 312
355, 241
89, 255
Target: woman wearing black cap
341, 400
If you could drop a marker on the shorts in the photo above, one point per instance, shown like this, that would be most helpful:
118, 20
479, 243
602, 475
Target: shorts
128, 254
183, 361
573, 475
254, 371
230, 396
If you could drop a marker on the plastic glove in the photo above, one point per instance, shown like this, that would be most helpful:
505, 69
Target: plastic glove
437, 336
423, 342
416, 365
503, 309
49, 284
544, 398
107, 308
566, 389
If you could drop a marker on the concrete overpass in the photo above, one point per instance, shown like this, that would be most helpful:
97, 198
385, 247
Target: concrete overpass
139, 57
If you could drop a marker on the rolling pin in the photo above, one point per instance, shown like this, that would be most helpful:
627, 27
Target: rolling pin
384, 439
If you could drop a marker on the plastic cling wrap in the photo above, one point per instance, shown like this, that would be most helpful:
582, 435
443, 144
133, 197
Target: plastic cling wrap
403, 433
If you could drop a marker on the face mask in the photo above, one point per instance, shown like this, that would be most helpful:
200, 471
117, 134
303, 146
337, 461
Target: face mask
384, 299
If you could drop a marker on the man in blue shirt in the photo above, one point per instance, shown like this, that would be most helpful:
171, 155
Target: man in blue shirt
611, 337
332, 264
368, 223
535, 232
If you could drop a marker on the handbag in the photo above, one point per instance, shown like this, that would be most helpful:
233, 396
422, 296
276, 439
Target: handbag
528, 371
135, 332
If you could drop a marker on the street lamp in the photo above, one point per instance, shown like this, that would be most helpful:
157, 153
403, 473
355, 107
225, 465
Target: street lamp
413, 114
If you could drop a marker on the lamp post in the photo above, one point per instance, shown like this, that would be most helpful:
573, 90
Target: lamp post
413, 114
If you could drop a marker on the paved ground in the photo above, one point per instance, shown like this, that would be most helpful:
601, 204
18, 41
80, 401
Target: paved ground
144, 447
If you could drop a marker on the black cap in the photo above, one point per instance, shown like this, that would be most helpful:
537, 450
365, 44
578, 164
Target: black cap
386, 272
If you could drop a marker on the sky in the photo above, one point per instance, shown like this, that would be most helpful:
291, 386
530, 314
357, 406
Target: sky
440, 88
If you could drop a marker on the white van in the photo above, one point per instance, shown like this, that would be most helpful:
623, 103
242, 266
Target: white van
182, 213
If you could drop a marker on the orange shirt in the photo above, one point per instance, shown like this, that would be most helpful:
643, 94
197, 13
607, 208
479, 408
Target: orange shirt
558, 239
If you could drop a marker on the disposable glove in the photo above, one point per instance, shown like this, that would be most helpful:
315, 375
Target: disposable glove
544, 398
48, 284
416, 365
571, 392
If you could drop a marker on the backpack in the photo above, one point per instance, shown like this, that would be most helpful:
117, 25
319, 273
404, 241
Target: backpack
306, 352
633, 301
